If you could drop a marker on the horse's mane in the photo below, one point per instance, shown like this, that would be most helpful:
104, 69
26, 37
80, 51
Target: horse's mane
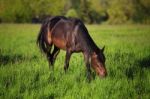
91, 45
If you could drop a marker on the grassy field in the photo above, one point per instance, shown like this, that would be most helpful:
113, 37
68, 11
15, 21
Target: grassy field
24, 71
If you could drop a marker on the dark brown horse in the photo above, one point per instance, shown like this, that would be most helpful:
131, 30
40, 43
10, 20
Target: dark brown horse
71, 35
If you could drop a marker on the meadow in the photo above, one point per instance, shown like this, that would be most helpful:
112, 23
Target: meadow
25, 74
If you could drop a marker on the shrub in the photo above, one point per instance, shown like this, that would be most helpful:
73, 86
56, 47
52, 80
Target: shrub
72, 13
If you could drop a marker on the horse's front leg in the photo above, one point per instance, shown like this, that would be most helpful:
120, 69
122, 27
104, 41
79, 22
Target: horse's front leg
67, 59
88, 66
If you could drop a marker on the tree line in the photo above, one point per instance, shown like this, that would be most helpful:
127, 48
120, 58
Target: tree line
90, 11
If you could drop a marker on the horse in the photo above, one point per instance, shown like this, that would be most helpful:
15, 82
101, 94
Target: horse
71, 35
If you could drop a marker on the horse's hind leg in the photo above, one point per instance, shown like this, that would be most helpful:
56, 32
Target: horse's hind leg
54, 54
49, 55
49, 44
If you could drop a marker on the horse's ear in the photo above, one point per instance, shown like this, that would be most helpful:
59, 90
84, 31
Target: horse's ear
103, 49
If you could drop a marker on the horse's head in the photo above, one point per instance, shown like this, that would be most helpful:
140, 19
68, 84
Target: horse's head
98, 62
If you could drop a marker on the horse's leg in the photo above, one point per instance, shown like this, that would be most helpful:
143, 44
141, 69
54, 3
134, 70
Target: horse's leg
67, 59
48, 54
88, 63
54, 54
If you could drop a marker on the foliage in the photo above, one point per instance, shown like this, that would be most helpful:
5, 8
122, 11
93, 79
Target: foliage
14, 11
121, 11
25, 10
90, 11
85, 10
72, 13
24, 71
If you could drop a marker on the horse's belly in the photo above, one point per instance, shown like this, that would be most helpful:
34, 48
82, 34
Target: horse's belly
60, 43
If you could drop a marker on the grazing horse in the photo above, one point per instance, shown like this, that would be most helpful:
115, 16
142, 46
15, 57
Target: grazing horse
71, 35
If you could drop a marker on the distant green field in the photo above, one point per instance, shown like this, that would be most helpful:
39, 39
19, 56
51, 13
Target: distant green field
24, 71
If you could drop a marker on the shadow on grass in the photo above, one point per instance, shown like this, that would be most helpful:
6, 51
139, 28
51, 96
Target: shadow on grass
145, 62
12, 59
128, 64
130, 73
137, 67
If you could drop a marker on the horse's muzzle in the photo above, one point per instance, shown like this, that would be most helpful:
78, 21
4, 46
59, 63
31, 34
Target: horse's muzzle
103, 73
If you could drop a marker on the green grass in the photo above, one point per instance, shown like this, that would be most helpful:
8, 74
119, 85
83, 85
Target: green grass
24, 71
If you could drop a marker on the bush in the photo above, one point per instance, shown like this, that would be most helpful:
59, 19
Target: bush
72, 13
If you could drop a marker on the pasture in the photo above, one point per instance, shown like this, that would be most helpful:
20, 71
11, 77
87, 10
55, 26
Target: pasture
24, 71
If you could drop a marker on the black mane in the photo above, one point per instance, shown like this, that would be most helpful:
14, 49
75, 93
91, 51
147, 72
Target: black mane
88, 40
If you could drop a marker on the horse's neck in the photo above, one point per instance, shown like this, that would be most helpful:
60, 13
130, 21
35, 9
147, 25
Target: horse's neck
89, 43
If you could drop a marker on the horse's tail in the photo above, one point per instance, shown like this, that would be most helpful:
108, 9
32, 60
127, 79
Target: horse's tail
41, 42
